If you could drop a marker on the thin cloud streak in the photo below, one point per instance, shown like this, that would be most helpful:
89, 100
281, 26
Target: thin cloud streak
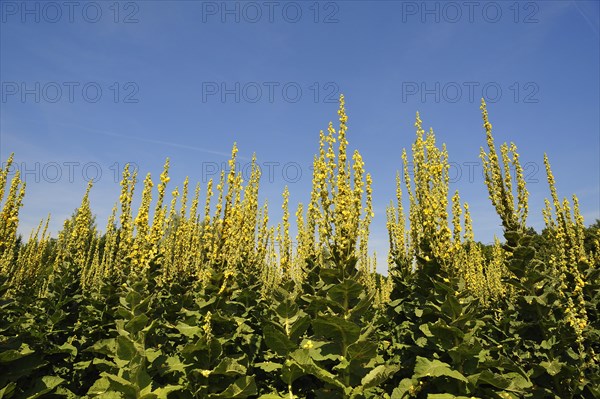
153, 141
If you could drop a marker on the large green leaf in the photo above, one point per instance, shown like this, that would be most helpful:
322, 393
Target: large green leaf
434, 368
7, 391
291, 371
379, 375
277, 340
42, 387
346, 294
189, 331
14, 354
402, 391
303, 359
136, 324
553, 367
299, 328
125, 348
241, 388
340, 331
362, 351
495, 380
287, 309
230, 367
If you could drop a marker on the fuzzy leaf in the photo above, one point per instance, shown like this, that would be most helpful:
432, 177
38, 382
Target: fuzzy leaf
340, 331
43, 386
136, 324
277, 341
434, 368
241, 388
378, 375
125, 348
552, 368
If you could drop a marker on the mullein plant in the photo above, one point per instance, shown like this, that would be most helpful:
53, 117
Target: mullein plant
339, 213
9, 216
428, 238
433, 257
535, 282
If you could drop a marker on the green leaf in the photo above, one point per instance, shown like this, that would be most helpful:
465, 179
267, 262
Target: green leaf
277, 341
341, 331
362, 351
379, 375
14, 354
7, 391
445, 335
104, 346
290, 372
495, 380
346, 294
524, 253
451, 307
299, 327
552, 368
402, 390
434, 368
163, 392
287, 309
68, 348
518, 382
189, 331
136, 324
241, 388
303, 359
269, 367
230, 367
120, 384
125, 348
42, 386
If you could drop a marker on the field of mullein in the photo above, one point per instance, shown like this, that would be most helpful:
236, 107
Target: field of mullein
183, 298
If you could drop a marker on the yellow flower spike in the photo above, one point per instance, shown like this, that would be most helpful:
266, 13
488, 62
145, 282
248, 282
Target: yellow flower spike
87, 271
456, 214
522, 193
9, 218
428, 197
26, 267
263, 235
140, 253
468, 236
82, 231
499, 186
106, 264
209, 194
195, 203
506, 161
169, 247
220, 189
552, 184
4, 175
157, 230
579, 231
184, 198
126, 227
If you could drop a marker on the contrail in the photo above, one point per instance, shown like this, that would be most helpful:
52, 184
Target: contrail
152, 141
587, 19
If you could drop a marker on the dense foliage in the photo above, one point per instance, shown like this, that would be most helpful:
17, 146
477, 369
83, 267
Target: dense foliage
176, 303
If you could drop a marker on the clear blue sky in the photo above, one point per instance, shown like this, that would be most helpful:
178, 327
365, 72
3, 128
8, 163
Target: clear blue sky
90, 86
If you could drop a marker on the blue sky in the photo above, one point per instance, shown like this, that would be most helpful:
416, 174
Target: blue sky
90, 86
